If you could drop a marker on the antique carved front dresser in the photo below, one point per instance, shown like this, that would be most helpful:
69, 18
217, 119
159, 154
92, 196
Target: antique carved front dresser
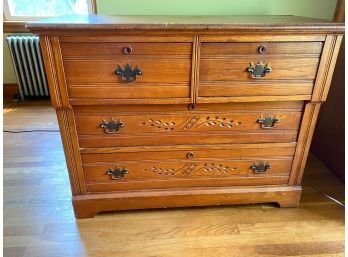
159, 112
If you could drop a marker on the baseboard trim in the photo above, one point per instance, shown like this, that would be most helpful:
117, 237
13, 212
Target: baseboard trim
10, 90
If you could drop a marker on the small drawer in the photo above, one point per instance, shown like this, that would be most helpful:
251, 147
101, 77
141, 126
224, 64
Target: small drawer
127, 70
136, 78
152, 139
115, 123
258, 69
174, 174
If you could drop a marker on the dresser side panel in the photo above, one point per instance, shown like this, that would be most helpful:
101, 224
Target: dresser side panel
326, 67
309, 119
55, 75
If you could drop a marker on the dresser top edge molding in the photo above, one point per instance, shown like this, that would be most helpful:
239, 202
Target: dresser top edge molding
282, 23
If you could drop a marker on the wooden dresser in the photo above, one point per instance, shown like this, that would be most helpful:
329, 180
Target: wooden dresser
159, 112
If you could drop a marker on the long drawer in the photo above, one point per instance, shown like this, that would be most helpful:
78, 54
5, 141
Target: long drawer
101, 124
114, 126
183, 166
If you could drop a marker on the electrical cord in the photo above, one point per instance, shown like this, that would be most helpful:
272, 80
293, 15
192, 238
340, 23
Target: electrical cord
326, 195
29, 131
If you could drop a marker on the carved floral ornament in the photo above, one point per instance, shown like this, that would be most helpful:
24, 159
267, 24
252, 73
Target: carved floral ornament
191, 122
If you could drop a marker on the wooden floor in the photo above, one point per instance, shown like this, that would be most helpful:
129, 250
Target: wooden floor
39, 221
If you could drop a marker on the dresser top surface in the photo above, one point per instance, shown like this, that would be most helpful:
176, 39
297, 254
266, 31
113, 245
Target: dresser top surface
99, 22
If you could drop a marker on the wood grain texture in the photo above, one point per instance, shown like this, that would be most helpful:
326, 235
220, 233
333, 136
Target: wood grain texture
253, 48
39, 219
109, 49
182, 108
188, 169
248, 88
260, 36
339, 12
154, 70
235, 68
309, 119
195, 68
89, 124
326, 68
106, 187
147, 139
201, 152
56, 81
330, 132
283, 24
89, 205
94, 6
124, 92
230, 149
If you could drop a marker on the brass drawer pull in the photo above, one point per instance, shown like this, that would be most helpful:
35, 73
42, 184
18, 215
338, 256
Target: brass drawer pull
267, 122
127, 50
116, 173
127, 73
190, 155
260, 167
112, 126
259, 70
262, 49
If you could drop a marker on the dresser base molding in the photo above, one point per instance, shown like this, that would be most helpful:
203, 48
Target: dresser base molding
87, 206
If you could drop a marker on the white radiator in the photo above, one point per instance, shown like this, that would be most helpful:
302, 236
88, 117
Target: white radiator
29, 67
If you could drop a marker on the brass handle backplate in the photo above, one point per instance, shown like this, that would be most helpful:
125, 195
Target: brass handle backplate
112, 126
260, 167
267, 122
128, 73
116, 173
259, 70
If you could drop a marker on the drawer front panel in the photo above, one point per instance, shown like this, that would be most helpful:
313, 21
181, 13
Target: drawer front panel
181, 174
185, 153
234, 68
280, 69
176, 119
130, 92
255, 88
176, 123
89, 49
103, 70
150, 139
106, 186
160, 79
264, 48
